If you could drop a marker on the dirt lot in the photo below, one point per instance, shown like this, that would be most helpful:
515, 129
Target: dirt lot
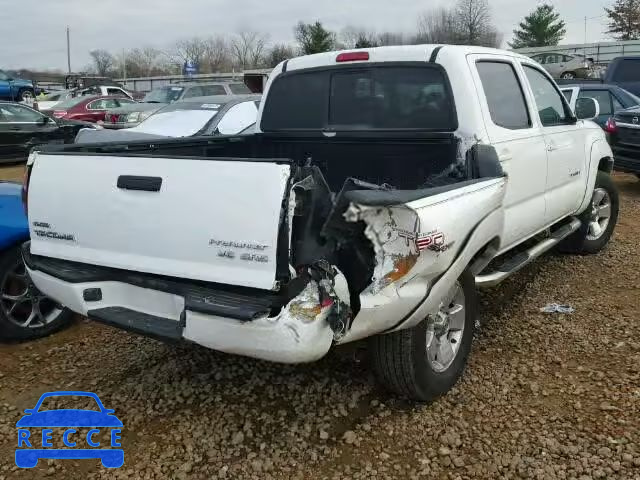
544, 396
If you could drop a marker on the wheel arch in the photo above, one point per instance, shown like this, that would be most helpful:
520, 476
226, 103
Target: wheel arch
484, 256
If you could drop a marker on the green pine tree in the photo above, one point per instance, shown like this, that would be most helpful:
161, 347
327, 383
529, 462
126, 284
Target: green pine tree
541, 28
314, 38
624, 19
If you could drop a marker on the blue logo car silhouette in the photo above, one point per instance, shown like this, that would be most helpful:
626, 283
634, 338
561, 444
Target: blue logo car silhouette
33, 447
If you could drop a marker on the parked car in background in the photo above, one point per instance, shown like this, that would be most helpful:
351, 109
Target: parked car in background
22, 128
51, 100
16, 89
623, 72
105, 91
87, 108
610, 98
218, 115
624, 137
25, 313
560, 65
131, 115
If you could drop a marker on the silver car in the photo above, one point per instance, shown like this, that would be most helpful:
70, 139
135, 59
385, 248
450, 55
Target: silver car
560, 65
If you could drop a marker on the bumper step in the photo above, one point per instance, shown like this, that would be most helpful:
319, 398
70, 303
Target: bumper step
522, 259
143, 323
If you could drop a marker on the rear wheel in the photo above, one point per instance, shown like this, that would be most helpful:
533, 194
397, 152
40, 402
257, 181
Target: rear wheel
26, 95
568, 76
598, 220
25, 312
425, 362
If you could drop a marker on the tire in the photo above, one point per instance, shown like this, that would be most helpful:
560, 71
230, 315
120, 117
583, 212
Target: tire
588, 241
20, 300
568, 76
26, 95
402, 360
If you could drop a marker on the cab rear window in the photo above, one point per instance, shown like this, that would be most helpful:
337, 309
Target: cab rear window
361, 98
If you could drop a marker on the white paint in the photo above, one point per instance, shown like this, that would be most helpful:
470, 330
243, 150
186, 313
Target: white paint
176, 123
166, 232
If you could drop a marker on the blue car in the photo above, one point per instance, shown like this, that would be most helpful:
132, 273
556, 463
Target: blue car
28, 452
25, 313
16, 89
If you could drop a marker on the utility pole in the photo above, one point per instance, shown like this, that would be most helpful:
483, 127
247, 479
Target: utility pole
585, 36
124, 67
68, 51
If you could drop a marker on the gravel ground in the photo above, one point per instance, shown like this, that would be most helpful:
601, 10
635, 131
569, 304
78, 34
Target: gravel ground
544, 396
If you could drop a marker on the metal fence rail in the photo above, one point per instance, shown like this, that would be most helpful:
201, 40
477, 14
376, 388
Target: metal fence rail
602, 52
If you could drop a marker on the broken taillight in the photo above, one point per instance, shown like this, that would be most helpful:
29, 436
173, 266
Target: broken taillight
25, 187
26, 178
611, 126
352, 57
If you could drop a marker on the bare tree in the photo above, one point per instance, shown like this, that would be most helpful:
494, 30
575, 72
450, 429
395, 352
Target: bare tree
103, 62
391, 38
439, 25
217, 55
474, 17
141, 62
190, 50
279, 53
248, 48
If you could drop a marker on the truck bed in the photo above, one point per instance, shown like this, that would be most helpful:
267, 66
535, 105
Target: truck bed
404, 161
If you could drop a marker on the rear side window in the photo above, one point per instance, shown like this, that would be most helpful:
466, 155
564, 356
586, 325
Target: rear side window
628, 70
239, 88
361, 98
505, 97
210, 90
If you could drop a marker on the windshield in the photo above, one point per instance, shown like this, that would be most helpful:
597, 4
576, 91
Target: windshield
163, 95
361, 98
176, 123
3, 76
70, 103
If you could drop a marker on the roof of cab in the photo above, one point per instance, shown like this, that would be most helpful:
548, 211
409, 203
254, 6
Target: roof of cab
406, 53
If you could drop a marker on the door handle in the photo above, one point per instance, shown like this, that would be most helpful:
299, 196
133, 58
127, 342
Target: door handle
134, 182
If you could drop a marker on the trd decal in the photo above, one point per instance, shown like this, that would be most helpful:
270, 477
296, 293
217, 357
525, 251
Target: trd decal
429, 240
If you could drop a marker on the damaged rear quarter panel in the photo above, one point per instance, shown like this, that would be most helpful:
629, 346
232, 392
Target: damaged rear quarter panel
425, 237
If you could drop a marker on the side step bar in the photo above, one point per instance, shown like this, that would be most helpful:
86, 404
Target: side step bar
522, 259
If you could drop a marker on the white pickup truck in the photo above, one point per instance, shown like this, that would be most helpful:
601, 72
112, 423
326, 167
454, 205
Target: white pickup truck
382, 187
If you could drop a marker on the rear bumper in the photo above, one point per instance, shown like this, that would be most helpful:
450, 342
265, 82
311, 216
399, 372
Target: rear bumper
168, 313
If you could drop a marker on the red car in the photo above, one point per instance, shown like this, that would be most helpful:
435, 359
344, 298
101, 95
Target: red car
87, 108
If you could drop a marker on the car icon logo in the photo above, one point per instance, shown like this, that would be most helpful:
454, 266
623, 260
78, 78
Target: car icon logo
71, 444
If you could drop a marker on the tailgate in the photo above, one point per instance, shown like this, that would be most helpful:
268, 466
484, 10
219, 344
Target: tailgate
214, 220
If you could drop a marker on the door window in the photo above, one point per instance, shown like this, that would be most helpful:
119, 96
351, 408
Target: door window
103, 104
603, 97
238, 118
616, 104
552, 106
193, 92
14, 113
116, 92
209, 90
505, 97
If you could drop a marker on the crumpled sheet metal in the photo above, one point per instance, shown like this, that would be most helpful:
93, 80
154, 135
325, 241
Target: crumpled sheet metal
392, 231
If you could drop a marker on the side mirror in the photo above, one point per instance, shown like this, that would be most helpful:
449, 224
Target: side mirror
587, 108
44, 120
29, 411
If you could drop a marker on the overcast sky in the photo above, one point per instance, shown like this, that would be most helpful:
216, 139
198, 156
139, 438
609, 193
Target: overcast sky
32, 32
